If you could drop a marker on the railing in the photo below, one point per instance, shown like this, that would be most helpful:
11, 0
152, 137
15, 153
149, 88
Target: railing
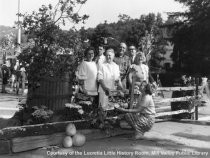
166, 110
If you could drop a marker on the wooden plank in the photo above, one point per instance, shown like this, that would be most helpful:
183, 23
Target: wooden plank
41, 129
163, 108
177, 88
5, 147
168, 100
33, 142
171, 113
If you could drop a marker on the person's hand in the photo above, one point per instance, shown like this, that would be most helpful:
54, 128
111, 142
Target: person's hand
85, 91
121, 93
119, 109
107, 91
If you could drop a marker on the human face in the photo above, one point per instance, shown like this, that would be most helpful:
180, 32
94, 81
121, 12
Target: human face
100, 50
122, 48
139, 59
132, 50
90, 55
109, 56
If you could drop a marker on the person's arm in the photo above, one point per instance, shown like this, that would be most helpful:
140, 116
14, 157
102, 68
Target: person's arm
131, 110
143, 103
81, 75
103, 86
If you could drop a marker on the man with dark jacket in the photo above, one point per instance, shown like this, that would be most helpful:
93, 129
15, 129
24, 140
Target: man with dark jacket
5, 76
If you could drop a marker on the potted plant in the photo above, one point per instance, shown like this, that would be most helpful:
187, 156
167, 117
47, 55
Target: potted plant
51, 55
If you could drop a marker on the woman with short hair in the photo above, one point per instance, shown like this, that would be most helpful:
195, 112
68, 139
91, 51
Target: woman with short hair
108, 77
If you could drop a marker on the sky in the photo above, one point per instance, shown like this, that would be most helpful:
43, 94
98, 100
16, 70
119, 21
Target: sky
98, 10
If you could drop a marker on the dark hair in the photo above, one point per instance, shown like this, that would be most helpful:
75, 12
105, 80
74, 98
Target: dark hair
101, 45
148, 88
89, 49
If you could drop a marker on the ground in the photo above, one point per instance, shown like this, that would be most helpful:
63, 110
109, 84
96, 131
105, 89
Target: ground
166, 139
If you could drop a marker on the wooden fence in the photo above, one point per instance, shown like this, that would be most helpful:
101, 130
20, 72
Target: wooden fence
164, 108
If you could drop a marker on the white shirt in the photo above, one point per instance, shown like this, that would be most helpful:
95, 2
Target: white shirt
87, 71
109, 73
100, 60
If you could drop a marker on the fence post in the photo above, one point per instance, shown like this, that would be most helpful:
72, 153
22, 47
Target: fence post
196, 97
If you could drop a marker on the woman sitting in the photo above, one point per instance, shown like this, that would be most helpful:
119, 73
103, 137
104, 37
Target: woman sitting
142, 118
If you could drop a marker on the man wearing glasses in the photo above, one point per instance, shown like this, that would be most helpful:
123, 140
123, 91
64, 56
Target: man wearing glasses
132, 52
123, 61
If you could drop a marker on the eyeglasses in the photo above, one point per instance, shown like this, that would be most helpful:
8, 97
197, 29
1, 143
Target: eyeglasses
132, 49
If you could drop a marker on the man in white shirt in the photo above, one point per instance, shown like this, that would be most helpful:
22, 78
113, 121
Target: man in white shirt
100, 57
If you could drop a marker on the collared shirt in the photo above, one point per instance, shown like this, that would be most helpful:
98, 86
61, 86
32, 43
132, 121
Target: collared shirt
100, 60
109, 73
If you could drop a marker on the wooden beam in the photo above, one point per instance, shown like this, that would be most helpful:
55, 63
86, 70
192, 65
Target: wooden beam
33, 142
168, 100
171, 113
41, 129
163, 108
177, 88
5, 146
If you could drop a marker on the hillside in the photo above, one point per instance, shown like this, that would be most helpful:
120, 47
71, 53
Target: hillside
4, 30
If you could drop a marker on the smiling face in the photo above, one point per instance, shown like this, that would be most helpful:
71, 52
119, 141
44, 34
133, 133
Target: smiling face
90, 55
123, 48
109, 55
140, 58
132, 51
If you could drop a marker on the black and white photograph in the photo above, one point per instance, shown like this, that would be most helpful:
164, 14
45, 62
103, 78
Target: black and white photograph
104, 78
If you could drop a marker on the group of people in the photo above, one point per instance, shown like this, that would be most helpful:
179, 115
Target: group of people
15, 74
99, 75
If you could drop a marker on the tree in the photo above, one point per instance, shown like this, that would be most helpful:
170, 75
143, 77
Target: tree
192, 37
49, 40
144, 32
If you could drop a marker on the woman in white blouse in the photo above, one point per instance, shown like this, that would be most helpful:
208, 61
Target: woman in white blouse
109, 78
87, 74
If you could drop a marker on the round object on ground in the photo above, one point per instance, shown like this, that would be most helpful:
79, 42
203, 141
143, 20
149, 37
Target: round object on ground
78, 139
67, 142
70, 129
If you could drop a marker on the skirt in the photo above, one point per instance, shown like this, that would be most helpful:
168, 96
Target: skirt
140, 122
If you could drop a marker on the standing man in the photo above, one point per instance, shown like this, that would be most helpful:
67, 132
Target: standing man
100, 58
123, 61
132, 52
5, 76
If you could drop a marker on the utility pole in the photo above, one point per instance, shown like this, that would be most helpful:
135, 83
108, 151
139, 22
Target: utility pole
19, 31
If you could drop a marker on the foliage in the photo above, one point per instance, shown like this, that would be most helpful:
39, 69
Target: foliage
192, 37
50, 49
42, 114
144, 32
